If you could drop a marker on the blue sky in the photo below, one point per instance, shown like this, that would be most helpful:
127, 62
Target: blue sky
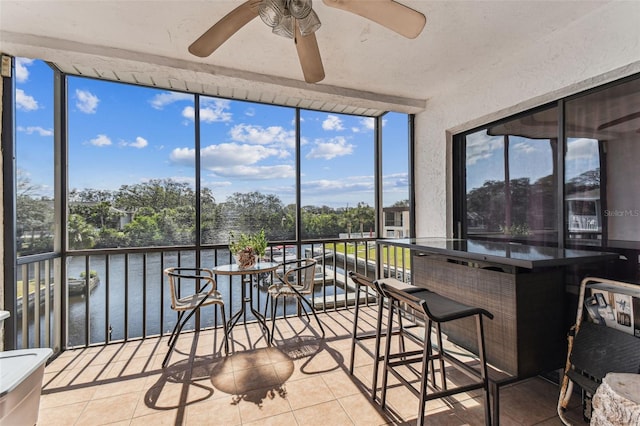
124, 134
532, 158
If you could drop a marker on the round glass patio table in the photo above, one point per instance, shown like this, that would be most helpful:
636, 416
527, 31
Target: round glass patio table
246, 283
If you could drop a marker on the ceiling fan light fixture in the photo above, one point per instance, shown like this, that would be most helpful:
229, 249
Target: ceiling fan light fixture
299, 9
271, 11
310, 24
285, 27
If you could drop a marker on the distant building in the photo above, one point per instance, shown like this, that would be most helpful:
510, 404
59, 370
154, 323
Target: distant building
396, 222
584, 214
124, 217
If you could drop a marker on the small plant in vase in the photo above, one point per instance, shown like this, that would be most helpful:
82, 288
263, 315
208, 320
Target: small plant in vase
247, 249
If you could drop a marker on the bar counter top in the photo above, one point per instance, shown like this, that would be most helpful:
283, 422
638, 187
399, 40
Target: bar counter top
501, 253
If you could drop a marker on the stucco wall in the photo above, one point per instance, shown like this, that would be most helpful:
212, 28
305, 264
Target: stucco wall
602, 47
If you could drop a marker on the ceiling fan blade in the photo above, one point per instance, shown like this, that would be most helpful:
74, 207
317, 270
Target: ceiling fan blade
388, 13
620, 120
309, 55
224, 28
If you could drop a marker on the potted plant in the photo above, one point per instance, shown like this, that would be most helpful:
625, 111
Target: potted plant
247, 249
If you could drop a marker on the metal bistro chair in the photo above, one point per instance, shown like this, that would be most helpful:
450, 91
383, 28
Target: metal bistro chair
202, 295
364, 283
436, 309
296, 281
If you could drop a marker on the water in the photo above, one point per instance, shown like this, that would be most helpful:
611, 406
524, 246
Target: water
102, 317
146, 297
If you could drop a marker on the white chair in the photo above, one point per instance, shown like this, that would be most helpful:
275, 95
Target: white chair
201, 295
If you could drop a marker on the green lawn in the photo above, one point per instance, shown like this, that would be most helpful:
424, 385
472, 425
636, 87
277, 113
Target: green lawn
32, 288
396, 253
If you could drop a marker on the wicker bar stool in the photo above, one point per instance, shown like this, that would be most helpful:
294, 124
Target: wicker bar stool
364, 283
437, 309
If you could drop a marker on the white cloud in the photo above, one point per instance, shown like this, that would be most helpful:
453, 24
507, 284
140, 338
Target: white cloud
183, 156
86, 101
481, 146
259, 135
335, 147
257, 172
349, 184
216, 183
210, 111
223, 155
164, 99
332, 122
583, 148
140, 142
22, 72
212, 115
35, 129
394, 181
25, 102
366, 124
250, 112
235, 160
100, 140
524, 147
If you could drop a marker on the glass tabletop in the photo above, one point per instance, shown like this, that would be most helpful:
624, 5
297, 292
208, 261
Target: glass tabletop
233, 269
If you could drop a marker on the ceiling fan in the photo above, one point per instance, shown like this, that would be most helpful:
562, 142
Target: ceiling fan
297, 20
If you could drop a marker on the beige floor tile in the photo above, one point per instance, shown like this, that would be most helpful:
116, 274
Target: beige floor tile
470, 411
530, 402
342, 384
300, 380
160, 418
258, 377
141, 348
406, 403
287, 371
340, 344
168, 395
120, 387
109, 410
327, 413
52, 380
61, 415
261, 403
61, 398
249, 359
361, 358
307, 392
128, 368
364, 376
67, 360
222, 411
105, 355
87, 375
323, 361
224, 383
162, 396
284, 419
362, 412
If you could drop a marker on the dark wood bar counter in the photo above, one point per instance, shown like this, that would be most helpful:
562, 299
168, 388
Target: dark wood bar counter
522, 285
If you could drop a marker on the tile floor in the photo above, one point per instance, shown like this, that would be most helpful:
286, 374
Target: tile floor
300, 380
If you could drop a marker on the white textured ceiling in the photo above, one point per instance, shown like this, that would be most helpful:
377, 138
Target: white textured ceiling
368, 68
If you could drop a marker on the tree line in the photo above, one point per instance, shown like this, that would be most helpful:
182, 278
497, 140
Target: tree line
521, 207
162, 212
